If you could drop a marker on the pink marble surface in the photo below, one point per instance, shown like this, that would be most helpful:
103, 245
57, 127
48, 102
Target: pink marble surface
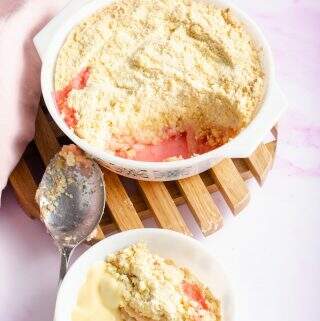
272, 250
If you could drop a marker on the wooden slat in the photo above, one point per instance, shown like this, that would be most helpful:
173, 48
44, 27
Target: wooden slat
25, 188
274, 132
56, 130
98, 236
272, 147
119, 203
45, 139
260, 162
163, 207
231, 185
201, 204
109, 228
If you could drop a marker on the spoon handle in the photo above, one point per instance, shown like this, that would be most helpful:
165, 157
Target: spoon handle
65, 256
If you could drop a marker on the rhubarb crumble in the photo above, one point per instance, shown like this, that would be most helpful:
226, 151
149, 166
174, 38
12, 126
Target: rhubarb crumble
137, 285
159, 80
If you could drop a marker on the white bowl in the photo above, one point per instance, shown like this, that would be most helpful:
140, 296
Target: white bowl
48, 43
184, 250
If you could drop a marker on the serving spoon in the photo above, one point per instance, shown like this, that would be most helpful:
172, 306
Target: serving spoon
71, 201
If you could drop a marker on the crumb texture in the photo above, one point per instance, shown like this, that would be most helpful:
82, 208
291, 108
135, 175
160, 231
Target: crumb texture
156, 289
55, 184
149, 69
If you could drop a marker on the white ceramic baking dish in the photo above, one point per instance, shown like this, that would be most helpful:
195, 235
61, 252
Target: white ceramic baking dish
48, 43
186, 252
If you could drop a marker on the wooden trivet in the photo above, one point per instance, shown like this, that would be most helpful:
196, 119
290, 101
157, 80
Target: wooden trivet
127, 208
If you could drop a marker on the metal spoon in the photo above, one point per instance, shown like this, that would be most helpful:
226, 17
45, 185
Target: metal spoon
71, 200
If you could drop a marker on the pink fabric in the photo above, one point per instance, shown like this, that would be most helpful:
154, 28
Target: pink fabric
20, 65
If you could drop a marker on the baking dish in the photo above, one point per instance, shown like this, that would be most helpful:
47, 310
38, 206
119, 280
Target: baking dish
48, 43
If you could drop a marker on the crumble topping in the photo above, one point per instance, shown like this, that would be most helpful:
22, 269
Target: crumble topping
156, 289
138, 73
57, 183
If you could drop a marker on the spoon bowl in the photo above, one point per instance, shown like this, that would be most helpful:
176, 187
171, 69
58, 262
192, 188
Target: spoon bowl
71, 199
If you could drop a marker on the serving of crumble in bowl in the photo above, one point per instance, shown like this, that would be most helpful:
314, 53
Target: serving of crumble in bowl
138, 275
160, 90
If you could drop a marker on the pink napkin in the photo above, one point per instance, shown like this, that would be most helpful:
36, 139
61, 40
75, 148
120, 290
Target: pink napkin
19, 76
